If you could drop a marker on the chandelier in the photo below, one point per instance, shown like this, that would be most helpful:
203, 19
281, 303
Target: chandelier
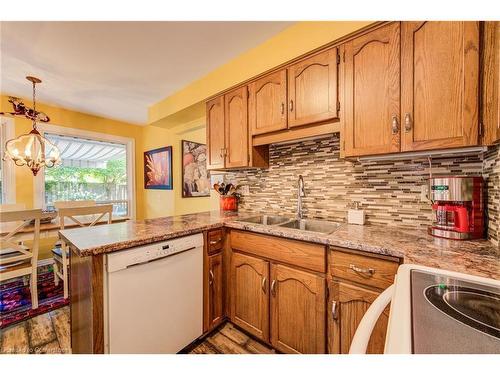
32, 149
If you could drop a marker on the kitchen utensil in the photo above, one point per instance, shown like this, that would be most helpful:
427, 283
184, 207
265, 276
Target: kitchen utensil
232, 190
227, 188
217, 188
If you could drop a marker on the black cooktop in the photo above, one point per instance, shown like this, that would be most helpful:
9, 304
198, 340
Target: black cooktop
450, 315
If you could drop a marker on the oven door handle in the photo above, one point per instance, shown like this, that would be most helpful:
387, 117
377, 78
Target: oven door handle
365, 328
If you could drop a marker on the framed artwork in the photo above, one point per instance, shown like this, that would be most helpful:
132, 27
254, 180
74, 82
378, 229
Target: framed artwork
195, 176
158, 169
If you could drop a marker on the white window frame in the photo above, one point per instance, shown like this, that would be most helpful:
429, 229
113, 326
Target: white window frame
39, 188
7, 131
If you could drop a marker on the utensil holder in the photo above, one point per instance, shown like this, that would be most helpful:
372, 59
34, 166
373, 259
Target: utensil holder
228, 203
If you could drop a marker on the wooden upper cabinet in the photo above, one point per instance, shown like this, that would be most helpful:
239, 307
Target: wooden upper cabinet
215, 133
371, 92
490, 70
236, 128
249, 294
440, 78
297, 310
347, 306
267, 103
313, 89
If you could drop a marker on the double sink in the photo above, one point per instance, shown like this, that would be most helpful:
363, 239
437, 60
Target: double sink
308, 225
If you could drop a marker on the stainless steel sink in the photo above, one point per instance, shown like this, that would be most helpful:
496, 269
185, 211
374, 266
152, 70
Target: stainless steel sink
265, 220
320, 226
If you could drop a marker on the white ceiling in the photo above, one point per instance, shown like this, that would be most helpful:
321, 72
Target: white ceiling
118, 69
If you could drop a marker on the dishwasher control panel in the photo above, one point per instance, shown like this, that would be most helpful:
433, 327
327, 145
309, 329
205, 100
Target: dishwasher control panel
143, 254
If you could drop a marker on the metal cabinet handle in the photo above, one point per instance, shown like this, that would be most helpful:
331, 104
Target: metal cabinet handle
408, 122
334, 310
365, 271
264, 284
291, 105
395, 124
221, 153
273, 288
212, 277
212, 242
282, 108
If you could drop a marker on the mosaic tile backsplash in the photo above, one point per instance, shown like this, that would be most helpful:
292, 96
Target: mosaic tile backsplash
390, 192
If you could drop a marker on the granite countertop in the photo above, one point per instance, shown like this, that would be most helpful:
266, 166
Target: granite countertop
481, 258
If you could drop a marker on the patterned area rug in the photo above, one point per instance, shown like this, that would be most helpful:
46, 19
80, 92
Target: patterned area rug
15, 298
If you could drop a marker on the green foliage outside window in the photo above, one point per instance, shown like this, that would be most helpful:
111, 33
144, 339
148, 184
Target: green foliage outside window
114, 173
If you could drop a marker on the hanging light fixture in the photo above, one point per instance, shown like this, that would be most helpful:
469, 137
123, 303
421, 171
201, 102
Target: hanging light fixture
32, 149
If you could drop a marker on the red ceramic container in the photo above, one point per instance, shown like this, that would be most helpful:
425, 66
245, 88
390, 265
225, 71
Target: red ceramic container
228, 203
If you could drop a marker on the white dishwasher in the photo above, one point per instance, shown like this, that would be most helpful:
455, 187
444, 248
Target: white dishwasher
154, 297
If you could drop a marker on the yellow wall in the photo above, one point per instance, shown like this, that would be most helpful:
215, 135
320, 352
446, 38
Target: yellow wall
294, 41
64, 117
181, 116
159, 203
78, 120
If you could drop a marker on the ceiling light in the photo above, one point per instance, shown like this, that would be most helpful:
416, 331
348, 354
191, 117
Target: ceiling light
32, 149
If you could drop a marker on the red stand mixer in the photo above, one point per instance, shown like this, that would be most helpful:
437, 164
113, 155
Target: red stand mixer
457, 203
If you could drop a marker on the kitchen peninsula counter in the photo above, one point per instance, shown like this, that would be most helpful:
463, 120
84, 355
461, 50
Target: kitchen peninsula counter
480, 257
90, 245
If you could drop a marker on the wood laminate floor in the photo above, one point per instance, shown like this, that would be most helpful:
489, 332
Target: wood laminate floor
50, 334
230, 340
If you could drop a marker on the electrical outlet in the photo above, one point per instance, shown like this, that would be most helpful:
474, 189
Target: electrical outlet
245, 190
424, 193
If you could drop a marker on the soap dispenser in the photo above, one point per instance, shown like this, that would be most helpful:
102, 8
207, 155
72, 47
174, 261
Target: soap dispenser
356, 215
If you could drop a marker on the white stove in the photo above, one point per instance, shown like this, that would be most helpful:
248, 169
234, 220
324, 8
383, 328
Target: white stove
434, 311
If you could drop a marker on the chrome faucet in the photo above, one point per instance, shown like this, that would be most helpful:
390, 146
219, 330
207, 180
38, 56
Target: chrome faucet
300, 193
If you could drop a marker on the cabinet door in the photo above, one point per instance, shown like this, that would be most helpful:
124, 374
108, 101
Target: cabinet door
347, 305
267, 103
297, 310
372, 98
249, 294
236, 123
490, 70
214, 290
215, 133
313, 89
440, 77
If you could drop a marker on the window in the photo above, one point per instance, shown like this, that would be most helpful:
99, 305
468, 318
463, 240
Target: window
7, 176
94, 166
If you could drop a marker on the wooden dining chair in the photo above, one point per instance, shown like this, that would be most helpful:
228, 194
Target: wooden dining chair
12, 207
71, 204
17, 260
71, 215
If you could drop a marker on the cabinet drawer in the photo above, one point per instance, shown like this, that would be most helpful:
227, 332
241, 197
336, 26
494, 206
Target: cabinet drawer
298, 253
363, 269
214, 241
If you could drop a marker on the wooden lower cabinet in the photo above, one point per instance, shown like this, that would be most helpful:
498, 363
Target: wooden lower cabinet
346, 306
297, 310
250, 294
281, 305
215, 313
